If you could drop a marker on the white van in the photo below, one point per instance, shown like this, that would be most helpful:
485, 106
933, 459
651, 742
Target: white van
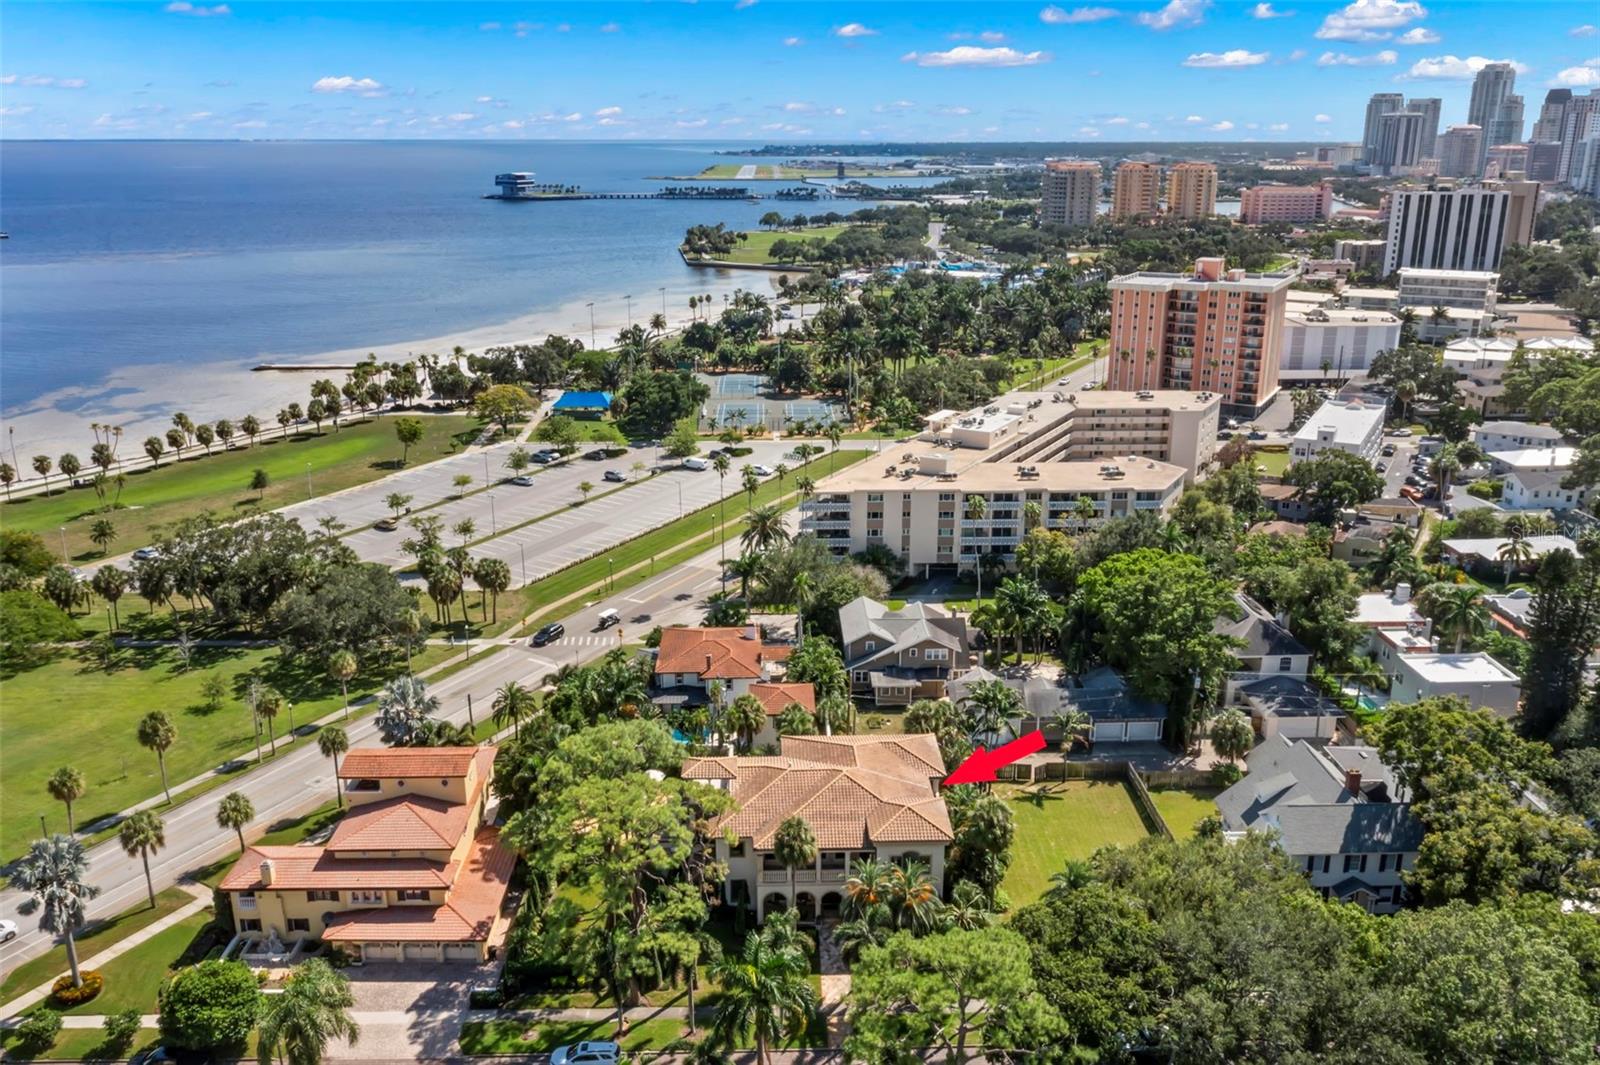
696, 464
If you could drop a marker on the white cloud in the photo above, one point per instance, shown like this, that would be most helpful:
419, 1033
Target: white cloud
183, 7
797, 107
1088, 131
968, 56
488, 26
197, 116
792, 42
893, 105
512, 123
1057, 16
1116, 120
1385, 58
1220, 127
610, 27
740, 5
695, 123
1194, 118
1418, 35
345, 83
1144, 125
1265, 11
1586, 30
462, 116
43, 81
991, 36
1176, 13
957, 110
249, 123
483, 99
854, 29
731, 122
1585, 75
1452, 67
1370, 20
576, 116
1323, 118
1233, 57
16, 111
608, 112
1279, 127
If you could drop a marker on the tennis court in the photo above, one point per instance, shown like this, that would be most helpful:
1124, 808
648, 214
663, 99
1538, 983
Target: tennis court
740, 400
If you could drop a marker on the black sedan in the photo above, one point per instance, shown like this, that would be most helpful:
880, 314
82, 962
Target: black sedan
549, 634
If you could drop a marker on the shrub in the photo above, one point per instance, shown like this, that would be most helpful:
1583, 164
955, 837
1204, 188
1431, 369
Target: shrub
63, 994
486, 998
121, 1029
38, 1030
1225, 774
210, 1006
1484, 489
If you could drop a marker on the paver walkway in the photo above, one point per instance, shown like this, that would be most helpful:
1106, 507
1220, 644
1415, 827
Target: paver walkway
835, 981
201, 899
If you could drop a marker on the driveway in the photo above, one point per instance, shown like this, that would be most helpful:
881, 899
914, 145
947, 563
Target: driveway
410, 1011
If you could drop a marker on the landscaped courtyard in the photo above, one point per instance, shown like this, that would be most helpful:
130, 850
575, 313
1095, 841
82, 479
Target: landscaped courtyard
1060, 821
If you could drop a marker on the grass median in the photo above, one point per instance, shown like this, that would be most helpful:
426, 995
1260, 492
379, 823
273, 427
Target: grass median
150, 498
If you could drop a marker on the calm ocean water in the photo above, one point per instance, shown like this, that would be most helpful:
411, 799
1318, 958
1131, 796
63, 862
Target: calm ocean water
128, 254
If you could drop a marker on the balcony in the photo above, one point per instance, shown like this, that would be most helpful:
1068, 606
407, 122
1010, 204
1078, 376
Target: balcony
825, 523
245, 902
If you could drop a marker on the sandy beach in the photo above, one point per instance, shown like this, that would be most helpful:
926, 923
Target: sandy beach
143, 399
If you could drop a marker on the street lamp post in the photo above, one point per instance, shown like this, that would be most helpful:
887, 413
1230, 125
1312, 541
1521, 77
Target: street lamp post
64, 557
629, 298
493, 526
680, 500
590, 305
523, 556
611, 573
308, 480
662, 290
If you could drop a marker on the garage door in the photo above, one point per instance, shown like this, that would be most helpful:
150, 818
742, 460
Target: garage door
380, 951
1108, 731
1144, 730
461, 952
422, 951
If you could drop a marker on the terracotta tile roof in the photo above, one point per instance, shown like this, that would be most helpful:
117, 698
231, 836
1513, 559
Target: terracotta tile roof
716, 654
854, 791
411, 822
775, 698
475, 900
308, 868
400, 762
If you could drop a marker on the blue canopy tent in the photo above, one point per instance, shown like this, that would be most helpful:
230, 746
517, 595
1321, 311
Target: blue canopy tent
583, 404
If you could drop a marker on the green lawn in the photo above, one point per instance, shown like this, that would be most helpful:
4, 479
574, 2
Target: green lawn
53, 962
1274, 461
80, 1044
756, 248
1184, 808
134, 978
48, 710
529, 1037
152, 498
1062, 820
591, 430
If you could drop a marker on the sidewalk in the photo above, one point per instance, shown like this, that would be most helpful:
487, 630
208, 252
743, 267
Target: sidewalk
202, 899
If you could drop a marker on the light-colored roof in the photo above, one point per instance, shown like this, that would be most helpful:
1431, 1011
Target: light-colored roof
392, 763
467, 916
717, 654
1532, 430
1488, 548
1481, 277
1472, 667
775, 698
1536, 458
1380, 609
1352, 422
1332, 317
1075, 477
853, 791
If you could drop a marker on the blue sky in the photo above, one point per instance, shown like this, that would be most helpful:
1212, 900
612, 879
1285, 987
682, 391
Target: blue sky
765, 70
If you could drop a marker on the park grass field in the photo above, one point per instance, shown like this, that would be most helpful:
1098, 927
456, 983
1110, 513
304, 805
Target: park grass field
756, 248
1184, 808
134, 978
1276, 462
50, 709
100, 936
1060, 821
354, 455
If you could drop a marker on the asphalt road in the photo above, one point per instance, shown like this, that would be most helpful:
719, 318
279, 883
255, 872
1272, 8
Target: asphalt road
302, 780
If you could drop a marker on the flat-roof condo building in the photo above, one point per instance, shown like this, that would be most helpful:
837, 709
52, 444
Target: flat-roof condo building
1459, 148
1124, 452
1354, 427
1446, 229
1330, 343
1192, 190
1286, 203
1071, 193
1136, 190
1215, 329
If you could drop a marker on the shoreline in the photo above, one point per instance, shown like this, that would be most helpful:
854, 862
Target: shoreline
142, 399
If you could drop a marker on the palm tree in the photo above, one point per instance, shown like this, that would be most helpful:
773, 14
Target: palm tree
1076, 874
141, 835
766, 992
1457, 610
313, 1010
157, 733
403, 705
235, 811
976, 508
342, 667
866, 886
745, 717
1084, 511
66, 785
764, 527
722, 464
968, 909
745, 567
54, 873
1232, 735
990, 704
714, 693
794, 846
1023, 608
912, 898
1516, 550
267, 704
332, 741
834, 435
511, 704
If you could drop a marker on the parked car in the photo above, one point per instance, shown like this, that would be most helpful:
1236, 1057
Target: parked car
523, 481
589, 1052
696, 464
1413, 480
615, 475
1388, 449
8, 931
1411, 493
542, 457
146, 554
1383, 467
1257, 434
550, 633
1400, 432
389, 524
761, 471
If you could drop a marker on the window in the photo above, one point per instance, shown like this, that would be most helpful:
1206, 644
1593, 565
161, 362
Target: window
366, 897
911, 653
322, 896
364, 785
1285, 664
1383, 863
870, 645
1311, 863
1355, 863
299, 924
937, 654
411, 895
736, 850
250, 924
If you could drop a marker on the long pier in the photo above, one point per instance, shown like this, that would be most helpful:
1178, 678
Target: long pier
808, 195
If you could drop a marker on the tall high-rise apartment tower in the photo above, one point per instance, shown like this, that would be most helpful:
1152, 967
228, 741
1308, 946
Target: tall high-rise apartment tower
1381, 104
1071, 193
1192, 190
1495, 106
1136, 190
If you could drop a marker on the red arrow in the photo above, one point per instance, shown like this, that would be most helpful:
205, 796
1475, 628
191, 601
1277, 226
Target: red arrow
979, 766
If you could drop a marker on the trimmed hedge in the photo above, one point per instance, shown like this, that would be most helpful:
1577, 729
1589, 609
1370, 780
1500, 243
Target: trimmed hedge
65, 995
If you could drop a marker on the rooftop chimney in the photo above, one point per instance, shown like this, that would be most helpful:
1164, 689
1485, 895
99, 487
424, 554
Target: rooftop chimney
1352, 781
267, 872
1402, 592
750, 632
